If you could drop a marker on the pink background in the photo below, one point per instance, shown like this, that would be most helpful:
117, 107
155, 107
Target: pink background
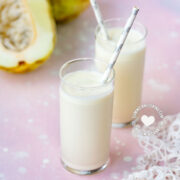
29, 105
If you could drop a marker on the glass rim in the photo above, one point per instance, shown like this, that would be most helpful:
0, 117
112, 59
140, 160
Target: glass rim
82, 87
121, 20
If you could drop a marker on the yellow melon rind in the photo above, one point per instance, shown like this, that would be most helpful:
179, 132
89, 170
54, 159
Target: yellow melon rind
25, 67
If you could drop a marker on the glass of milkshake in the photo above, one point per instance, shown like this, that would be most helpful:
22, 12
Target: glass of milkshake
85, 116
128, 68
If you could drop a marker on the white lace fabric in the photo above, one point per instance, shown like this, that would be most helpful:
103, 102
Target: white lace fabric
161, 159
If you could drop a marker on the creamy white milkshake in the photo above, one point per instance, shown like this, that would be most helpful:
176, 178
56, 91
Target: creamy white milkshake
128, 68
85, 119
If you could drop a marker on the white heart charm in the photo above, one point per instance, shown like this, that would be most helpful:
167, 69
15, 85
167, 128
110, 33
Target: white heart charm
147, 120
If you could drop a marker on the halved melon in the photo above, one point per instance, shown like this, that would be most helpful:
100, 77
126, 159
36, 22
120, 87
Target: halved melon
27, 34
66, 9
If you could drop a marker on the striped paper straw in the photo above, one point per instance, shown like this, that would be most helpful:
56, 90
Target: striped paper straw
120, 43
99, 19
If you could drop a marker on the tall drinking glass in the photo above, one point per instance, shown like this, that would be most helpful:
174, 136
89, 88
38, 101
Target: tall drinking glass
128, 68
85, 116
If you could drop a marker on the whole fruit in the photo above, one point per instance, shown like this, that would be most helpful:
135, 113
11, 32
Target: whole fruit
67, 9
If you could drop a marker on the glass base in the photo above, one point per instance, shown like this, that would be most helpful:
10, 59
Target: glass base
84, 172
121, 125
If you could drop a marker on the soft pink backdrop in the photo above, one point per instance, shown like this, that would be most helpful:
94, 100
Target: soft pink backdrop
29, 106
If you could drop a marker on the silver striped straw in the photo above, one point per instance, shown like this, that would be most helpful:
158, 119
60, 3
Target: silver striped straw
120, 43
99, 18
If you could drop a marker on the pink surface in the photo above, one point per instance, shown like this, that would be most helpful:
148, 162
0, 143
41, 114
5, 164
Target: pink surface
29, 106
